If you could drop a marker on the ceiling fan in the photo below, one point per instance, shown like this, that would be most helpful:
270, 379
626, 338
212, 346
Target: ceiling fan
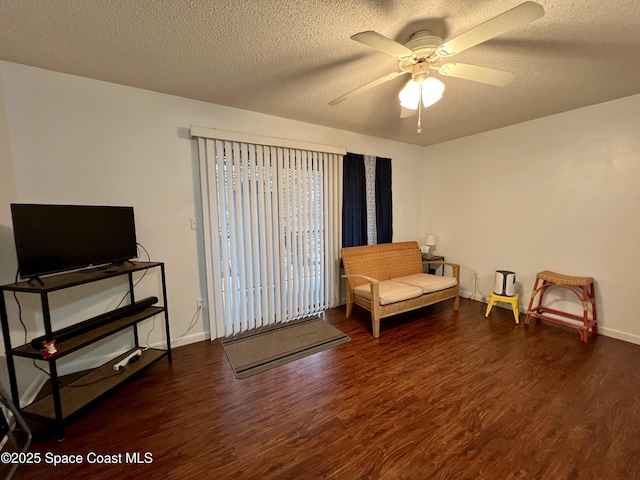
424, 53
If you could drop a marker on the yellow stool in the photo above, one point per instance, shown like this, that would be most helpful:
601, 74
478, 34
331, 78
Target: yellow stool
513, 300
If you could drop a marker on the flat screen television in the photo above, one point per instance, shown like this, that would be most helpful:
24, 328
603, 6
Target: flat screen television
57, 238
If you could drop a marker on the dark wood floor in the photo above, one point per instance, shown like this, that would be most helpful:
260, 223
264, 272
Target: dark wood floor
437, 396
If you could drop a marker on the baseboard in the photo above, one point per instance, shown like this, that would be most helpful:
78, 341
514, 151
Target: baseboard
480, 298
607, 332
618, 335
186, 340
35, 385
87, 363
473, 296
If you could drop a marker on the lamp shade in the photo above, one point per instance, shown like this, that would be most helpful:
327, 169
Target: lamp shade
410, 95
431, 240
430, 90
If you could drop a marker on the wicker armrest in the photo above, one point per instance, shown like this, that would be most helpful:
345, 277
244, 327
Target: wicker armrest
375, 286
371, 280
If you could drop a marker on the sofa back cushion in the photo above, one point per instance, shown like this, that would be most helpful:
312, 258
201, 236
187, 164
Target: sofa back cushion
383, 261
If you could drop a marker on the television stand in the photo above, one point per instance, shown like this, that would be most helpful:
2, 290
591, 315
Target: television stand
67, 399
36, 279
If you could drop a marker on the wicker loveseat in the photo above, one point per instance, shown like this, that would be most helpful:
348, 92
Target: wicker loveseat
387, 279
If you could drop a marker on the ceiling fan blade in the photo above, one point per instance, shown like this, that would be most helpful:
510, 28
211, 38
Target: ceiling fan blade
524, 13
407, 112
382, 43
366, 87
490, 76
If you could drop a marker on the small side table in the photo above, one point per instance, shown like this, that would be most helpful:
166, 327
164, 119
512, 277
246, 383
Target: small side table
435, 258
513, 300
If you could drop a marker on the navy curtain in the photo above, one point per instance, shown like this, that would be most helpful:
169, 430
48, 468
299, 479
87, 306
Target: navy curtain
354, 205
354, 201
384, 215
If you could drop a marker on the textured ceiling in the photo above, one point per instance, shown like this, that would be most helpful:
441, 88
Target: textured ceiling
289, 58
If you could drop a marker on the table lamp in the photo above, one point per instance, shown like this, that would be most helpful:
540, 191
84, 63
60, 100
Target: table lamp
430, 242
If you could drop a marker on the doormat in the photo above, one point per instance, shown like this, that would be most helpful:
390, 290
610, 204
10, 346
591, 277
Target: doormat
268, 347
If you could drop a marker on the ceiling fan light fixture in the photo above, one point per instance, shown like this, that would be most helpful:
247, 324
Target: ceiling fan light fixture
432, 90
410, 95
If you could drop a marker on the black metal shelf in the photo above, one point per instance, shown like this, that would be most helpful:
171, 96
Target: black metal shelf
80, 393
78, 277
66, 399
88, 337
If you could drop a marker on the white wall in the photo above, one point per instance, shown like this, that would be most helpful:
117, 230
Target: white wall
80, 141
8, 194
560, 193
557, 193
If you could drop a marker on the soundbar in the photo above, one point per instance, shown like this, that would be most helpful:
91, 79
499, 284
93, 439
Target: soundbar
74, 330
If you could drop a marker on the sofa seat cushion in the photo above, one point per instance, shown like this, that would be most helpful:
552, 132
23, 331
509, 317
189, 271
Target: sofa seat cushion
390, 291
428, 283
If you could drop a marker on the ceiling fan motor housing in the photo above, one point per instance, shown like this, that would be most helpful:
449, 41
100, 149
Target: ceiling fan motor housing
424, 45
420, 71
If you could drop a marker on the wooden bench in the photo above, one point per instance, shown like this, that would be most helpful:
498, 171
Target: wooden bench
388, 278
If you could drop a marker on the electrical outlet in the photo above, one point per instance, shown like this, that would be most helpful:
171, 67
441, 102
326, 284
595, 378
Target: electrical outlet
198, 303
475, 273
194, 223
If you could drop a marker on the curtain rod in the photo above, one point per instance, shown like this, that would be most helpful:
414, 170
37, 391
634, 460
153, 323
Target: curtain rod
214, 133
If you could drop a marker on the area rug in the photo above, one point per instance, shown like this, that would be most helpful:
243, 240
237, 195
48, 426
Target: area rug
268, 347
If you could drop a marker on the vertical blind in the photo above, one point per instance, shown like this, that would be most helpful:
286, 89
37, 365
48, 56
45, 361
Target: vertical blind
272, 232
